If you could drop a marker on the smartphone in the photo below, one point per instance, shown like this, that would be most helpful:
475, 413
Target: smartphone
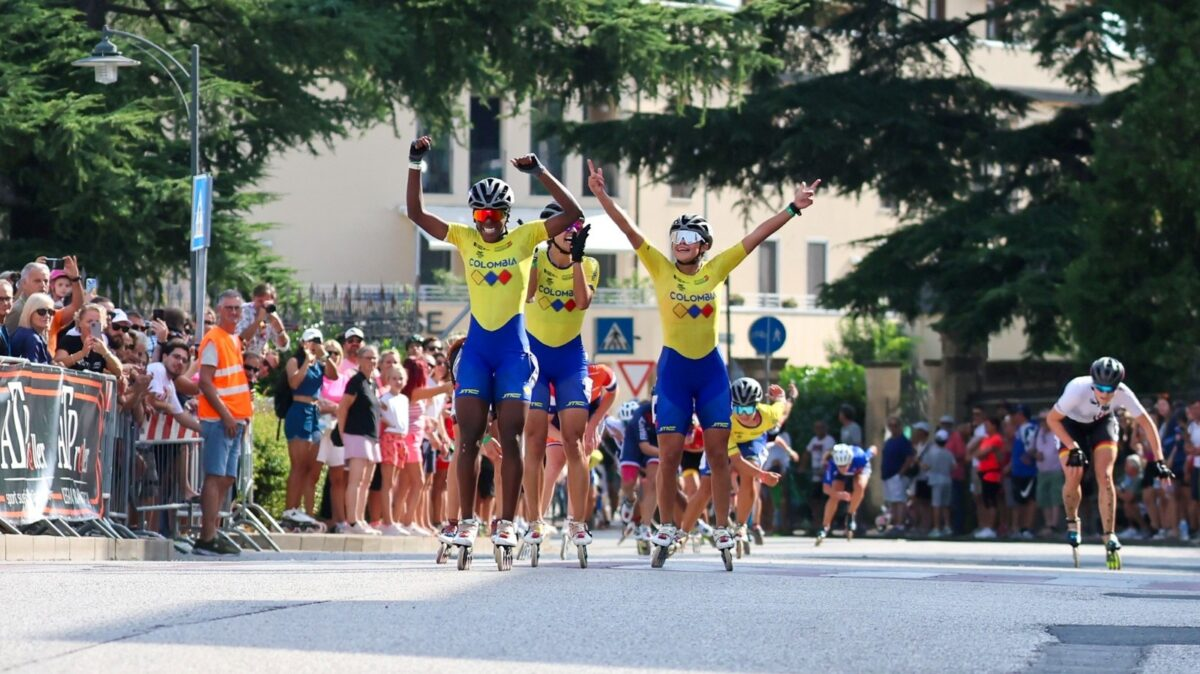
97, 333
156, 315
91, 284
54, 263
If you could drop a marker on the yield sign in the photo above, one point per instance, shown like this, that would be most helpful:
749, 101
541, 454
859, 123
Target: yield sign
636, 374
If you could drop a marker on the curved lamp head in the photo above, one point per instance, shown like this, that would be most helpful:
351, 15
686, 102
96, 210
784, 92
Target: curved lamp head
106, 60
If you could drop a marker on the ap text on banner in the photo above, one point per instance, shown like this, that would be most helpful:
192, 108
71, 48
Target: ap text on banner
52, 441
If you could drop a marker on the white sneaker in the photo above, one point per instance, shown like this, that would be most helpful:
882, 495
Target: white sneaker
373, 531
466, 533
361, 528
626, 510
947, 531
1026, 535
985, 533
723, 539
418, 530
1130, 533
579, 533
665, 537
297, 516
1161, 535
342, 528
705, 528
536, 534
505, 534
935, 533
393, 530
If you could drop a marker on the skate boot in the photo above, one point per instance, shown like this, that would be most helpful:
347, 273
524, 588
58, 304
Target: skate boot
1112, 551
464, 539
725, 541
582, 538
821, 537
662, 542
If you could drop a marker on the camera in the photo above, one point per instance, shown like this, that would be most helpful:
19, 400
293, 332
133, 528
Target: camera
270, 308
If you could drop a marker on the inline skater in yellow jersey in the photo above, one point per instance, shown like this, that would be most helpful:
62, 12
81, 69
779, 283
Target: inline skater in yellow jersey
560, 290
691, 374
751, 420
495, 368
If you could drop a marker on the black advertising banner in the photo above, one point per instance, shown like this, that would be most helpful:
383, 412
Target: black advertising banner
52, 441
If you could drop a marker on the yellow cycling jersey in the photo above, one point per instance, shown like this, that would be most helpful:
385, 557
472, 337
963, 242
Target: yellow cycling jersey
554, 319
769, 416
497, 273
688, 304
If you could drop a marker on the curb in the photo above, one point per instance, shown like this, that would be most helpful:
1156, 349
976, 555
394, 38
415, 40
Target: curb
89, 549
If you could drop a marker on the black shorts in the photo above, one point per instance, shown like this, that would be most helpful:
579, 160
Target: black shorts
487, 478
690, 461
1024, 489
1103, 430
989, 493
377, 479
922, 492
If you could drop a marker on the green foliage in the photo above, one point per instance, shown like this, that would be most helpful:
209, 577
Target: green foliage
865, 340
820, 392
271, 463
1134, 292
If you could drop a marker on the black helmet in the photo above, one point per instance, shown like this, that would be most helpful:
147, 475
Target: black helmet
692, 223
1108, 371
490, 193
552, 209
414, 339
745, 392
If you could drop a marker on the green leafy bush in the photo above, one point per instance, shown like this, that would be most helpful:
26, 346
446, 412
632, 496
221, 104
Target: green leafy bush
820, 392
271, 464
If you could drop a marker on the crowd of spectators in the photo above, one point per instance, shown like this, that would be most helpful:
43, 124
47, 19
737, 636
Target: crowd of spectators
998, 475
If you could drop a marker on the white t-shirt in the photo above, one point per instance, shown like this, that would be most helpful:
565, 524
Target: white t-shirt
395, 413
1194, 432
1078, 402
163, 387
817, 447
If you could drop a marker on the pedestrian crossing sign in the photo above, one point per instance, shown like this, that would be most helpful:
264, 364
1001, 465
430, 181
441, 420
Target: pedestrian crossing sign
614, 335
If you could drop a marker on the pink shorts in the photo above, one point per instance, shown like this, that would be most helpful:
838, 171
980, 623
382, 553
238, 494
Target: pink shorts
412, 448
393, 448
361, 447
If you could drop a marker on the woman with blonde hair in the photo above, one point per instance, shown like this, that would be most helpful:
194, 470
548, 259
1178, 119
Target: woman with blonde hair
358, 418
31, 339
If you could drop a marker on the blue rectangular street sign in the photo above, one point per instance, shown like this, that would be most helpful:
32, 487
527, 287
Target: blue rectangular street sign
614, 335
201, 211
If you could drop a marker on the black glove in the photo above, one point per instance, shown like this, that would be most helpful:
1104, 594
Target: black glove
533, 167
1076, 457
1162, 472
578, 242
415, 153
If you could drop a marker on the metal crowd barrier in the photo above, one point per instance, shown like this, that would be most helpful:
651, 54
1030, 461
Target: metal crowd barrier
162, 472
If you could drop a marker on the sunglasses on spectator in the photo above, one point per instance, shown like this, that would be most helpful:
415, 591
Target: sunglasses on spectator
745, 410
492, 214
44, 312
122, 328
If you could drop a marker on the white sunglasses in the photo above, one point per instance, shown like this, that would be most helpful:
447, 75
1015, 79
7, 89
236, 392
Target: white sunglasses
686, 237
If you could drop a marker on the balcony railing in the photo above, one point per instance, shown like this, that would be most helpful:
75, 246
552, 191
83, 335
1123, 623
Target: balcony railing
644, 297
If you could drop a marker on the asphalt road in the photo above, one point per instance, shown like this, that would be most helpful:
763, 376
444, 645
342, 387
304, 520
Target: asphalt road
862, 606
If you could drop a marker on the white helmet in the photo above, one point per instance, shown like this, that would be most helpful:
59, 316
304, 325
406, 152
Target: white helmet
490, 193
627, 410
745, 392
842, 455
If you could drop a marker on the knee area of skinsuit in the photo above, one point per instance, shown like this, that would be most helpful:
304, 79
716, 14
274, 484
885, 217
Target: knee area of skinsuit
629, 474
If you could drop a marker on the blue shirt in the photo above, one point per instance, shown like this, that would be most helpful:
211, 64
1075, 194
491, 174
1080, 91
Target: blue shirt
1023, 440
860, 462
895, 451
3, 340
27, 344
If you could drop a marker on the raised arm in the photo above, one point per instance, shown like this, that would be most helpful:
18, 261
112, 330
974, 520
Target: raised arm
432, 224
802, 199
618, 215
557, 224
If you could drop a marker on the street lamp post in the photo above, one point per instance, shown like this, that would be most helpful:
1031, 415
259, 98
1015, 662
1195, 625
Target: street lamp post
107, 60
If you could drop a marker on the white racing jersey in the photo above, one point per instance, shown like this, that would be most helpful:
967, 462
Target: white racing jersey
1078, 402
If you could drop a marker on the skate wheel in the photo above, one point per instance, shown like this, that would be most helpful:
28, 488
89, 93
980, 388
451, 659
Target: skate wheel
643, 548
1114, 560
1075, 555
464, 559
737, 548
728, 559
582, 552
535, 553
849, 534
758, 538
659, 557
443, 554
746, 548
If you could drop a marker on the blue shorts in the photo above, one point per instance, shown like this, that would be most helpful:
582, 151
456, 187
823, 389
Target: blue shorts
496, 365
302, 422
221, 453
685, 386
564, 367
754, 451
631, 455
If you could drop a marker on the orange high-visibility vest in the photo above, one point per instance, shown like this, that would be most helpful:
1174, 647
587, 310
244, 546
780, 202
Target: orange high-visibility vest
229, 378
